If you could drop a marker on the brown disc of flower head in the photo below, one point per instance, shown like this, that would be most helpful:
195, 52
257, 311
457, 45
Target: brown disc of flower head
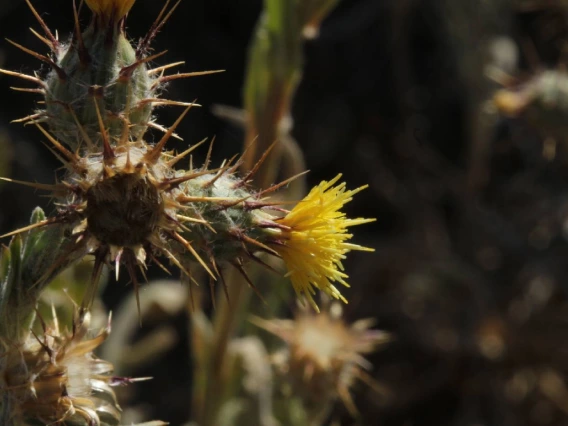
123, 210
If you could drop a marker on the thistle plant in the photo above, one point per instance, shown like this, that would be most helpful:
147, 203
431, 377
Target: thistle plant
128, 202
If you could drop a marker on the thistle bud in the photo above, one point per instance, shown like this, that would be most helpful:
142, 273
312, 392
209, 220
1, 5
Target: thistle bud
99, 80
101, 67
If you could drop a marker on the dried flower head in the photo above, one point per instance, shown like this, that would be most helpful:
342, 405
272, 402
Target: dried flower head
56, 378
324, 355
314, 240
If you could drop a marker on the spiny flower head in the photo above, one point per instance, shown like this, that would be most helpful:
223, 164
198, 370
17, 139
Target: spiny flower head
324, 354
113, 10
56, 379
314, 240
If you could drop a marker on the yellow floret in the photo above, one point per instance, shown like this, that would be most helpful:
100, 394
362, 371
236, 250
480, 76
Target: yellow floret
111, 9
317, 240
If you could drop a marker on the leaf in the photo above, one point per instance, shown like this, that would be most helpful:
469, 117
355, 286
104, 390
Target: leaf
27, 265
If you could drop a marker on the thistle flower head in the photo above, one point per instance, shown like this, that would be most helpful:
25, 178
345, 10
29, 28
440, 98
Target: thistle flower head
56, 379
314, 239
127, 205
110, 10
324, 354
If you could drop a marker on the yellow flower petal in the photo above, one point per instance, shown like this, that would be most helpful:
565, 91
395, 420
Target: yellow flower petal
317, 240
111, 9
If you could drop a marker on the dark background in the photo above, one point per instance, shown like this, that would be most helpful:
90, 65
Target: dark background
469, 272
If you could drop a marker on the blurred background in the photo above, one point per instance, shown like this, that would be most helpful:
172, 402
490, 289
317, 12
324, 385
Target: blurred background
442, 108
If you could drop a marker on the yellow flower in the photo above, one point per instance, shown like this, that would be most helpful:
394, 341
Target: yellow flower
314, 240
111, 9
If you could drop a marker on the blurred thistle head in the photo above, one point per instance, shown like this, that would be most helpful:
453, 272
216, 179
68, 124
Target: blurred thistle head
56, 379
324, 354
313, 240
540, 99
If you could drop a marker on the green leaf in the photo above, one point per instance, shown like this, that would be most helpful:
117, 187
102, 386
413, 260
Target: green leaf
27, 265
